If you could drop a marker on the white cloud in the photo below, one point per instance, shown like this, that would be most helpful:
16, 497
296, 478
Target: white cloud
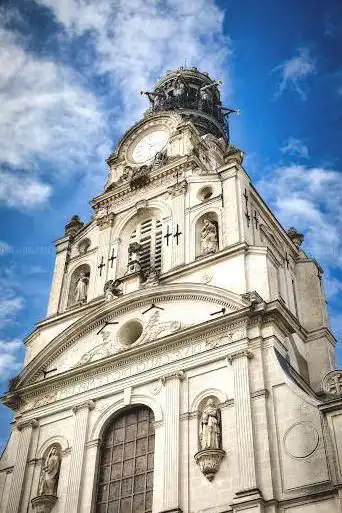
310, 199
136, 40
9, 362
295, 147
46, 115
18, 189
9, 306
295, 71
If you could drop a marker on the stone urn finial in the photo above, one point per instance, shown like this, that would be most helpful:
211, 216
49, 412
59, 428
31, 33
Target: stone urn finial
74, 226
296, 237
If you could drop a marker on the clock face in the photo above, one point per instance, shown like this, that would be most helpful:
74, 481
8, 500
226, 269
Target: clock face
149, 145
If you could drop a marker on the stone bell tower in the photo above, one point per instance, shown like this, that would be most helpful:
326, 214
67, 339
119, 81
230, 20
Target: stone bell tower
186, 363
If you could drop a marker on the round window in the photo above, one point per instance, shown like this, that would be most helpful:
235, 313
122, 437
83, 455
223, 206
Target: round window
130, 332
205, 193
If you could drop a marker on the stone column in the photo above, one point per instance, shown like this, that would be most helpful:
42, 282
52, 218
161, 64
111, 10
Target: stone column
81, 413
243, 415
171, 442
18, 476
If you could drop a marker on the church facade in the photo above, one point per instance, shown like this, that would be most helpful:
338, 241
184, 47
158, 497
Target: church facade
185, 364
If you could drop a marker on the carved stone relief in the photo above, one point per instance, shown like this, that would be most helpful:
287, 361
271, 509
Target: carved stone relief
332, 382
110, 345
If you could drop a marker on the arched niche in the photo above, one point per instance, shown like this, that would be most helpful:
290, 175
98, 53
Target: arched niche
50, 470
79, 286
207, 235
209, 402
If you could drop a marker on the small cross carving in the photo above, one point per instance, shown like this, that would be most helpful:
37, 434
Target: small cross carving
111, 259
177, 234
245, 195
101, 265
167, 235
248, 217
256, 219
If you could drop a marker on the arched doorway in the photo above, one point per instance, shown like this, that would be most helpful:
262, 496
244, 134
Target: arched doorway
126, 463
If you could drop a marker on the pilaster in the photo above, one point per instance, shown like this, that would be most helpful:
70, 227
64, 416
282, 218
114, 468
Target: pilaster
243, 416
171, 444
81, 413
103, 264
62, 249
177, 193
19, 469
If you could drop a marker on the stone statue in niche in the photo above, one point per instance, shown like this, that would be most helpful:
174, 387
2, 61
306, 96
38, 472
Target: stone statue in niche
209, 237
112, 290
210, 427
81, 289
210, 455
48, 481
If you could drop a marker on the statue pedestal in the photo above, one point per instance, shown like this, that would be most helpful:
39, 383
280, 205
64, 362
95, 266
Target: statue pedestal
43, 503
209, 461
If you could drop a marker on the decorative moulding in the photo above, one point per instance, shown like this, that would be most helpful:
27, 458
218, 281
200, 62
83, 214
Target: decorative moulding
209, 461
43, 503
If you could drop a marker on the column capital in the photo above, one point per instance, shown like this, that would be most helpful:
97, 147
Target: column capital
22, 424
87, 404
240, 354
180, 375
94, 443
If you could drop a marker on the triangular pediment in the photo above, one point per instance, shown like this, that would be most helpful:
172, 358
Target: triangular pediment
104, 332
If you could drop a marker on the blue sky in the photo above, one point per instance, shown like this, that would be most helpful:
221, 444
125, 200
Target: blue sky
71, 72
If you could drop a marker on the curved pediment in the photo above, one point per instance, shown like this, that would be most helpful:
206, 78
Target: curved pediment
130, 321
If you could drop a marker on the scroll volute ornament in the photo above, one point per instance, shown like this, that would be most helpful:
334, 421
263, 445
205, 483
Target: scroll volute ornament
210, 455
48, 481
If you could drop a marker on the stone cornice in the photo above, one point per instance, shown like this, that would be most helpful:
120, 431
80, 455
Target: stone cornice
233, 250
124, 191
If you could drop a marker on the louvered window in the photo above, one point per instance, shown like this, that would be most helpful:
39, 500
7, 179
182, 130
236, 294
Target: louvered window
149, 235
